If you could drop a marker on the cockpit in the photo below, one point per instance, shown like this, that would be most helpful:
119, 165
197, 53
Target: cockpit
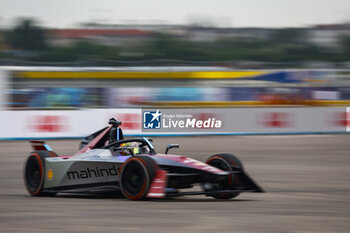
131, 147
112, 138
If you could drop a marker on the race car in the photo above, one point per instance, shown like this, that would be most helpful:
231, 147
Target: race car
107, 162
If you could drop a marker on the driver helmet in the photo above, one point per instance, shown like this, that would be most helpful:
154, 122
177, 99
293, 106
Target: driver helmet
133, 146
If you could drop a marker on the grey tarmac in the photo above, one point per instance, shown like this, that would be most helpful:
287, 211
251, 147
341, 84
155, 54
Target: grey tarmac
306, 178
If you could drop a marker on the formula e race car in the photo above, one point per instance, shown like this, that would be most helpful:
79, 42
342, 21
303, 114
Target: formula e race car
106, 162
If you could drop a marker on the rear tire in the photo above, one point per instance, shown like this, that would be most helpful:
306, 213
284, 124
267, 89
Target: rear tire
34, 172
136, 177
225, 162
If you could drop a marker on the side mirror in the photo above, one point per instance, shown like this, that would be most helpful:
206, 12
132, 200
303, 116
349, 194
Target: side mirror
171, 146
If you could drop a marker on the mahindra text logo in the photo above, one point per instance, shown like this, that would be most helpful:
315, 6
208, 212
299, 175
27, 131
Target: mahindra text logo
48, 123
90, 173
276, 119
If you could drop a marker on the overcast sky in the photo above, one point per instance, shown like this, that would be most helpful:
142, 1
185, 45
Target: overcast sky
234, 13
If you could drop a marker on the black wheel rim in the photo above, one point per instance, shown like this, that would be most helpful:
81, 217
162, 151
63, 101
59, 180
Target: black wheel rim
218, 163
33, 175
133, 178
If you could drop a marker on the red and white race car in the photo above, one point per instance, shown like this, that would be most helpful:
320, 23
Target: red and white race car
107, 162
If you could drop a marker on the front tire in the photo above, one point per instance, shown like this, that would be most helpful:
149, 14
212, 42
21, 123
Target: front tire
34, 172
136, 177
226, 162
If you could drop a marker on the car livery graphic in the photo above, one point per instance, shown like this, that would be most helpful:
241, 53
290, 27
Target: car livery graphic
106, 162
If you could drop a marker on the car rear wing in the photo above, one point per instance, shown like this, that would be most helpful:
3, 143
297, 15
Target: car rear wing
40, 145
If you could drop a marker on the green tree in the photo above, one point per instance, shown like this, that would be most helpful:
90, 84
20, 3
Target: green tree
346, 47
289, 36
26, 35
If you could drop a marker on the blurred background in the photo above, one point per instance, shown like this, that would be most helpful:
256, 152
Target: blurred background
114, 57
180, 57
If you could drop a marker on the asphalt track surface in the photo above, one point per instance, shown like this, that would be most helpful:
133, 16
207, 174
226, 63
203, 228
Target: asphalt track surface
306, 179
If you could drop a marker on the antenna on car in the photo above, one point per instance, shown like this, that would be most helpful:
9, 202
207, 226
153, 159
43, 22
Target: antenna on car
114, 122
116, 133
